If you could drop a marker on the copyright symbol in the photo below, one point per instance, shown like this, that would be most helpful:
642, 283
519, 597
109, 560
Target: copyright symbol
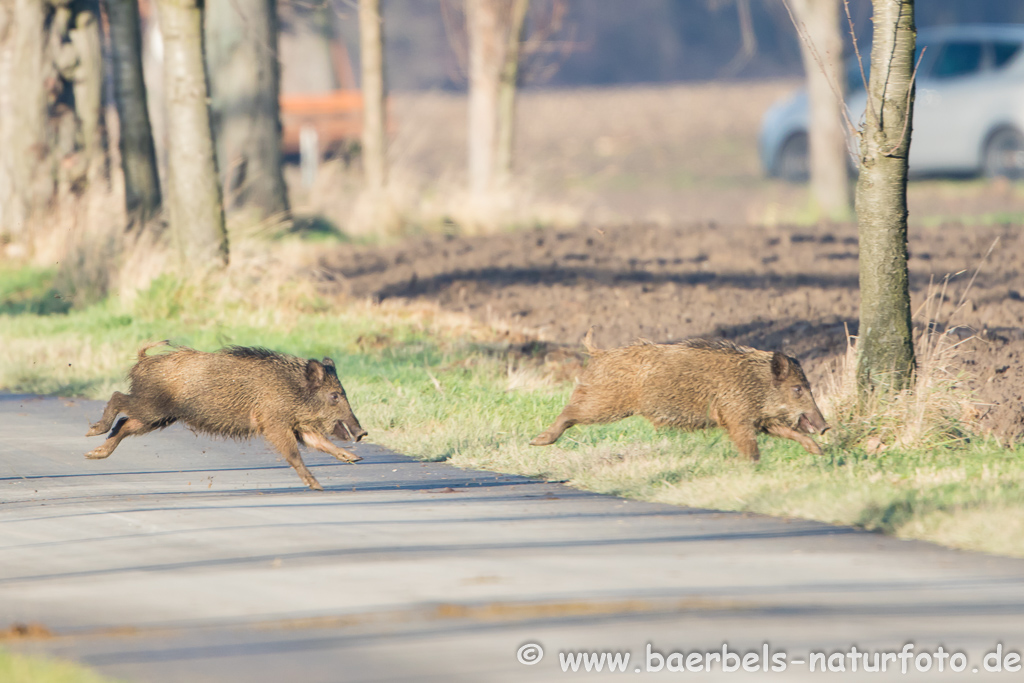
529, 654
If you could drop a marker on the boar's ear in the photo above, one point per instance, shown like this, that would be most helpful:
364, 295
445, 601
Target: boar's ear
328, 363
780, 368
314, 375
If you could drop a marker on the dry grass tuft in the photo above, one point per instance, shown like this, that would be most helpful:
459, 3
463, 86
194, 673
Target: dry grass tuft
938, 410
522, 376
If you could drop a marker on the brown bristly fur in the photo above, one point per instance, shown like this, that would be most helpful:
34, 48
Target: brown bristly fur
237, 392
695, 384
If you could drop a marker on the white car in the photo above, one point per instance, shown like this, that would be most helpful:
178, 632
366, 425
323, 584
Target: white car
968, 112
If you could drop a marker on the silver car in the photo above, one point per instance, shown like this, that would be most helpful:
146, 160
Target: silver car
968, 114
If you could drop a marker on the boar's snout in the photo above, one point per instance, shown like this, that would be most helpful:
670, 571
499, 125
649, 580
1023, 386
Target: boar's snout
813, 423
349, 432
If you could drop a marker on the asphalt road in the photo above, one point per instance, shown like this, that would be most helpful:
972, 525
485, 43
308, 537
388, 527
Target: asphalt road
182, 558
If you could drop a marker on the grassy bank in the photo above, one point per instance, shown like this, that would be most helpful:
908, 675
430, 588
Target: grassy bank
435, 386
16, 668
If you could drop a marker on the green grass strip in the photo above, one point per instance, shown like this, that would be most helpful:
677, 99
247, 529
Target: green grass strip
434, 391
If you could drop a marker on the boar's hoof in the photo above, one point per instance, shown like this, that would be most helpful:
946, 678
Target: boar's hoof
544, 439
98, 453
813, 447
96, 430
349, 457
315, 485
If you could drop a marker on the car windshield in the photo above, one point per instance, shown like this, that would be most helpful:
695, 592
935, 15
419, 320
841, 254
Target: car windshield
960, 58
943, 60
1003, 52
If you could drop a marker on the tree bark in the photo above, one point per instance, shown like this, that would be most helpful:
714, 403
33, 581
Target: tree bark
885, 343
507, 89
242, 57
826, 86
84, 48
193, 194
485, 62
26, 176
371, 53
138, 153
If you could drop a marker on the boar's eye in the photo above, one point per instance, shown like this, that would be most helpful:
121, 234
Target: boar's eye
334, 397
797, 391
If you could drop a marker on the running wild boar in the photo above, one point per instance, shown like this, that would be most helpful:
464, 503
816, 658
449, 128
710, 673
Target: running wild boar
696, 384
236, 392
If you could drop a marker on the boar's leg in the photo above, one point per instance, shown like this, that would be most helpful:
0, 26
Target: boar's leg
565, 420
118, 403
745, 438
126, 426
283, 439
318, 441
807, 442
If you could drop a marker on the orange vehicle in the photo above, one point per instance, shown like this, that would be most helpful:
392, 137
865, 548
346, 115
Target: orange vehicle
318, 95
336, 116
320, 102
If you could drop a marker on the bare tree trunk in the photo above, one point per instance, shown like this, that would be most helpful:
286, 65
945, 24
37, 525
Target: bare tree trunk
193, 194
507, 92
885, 343
153, 74
83, 69
138, 153
748, 38
7, 195
26, 177
485, 61
241, 53
822, 50
371, 52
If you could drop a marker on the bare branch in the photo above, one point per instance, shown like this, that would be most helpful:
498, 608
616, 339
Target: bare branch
869, 106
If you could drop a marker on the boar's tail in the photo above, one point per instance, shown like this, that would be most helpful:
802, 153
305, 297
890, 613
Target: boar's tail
588, 342
147, 347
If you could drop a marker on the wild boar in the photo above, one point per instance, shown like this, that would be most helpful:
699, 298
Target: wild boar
695, 384
236, 392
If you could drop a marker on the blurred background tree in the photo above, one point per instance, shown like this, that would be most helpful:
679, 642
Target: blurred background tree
821, 48
371, 51
138, 152
193, 193
52, 126
242, 62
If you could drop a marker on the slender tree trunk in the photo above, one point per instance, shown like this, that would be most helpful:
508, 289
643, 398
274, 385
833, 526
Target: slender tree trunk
748, 40
138, 153
85, 45
885, 343
485, 62
193, 194
507, 92
826, 84
6, 108
371, 52
241, 53
26, 178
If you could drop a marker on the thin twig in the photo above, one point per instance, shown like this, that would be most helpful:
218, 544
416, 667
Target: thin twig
977, 270
870, 106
